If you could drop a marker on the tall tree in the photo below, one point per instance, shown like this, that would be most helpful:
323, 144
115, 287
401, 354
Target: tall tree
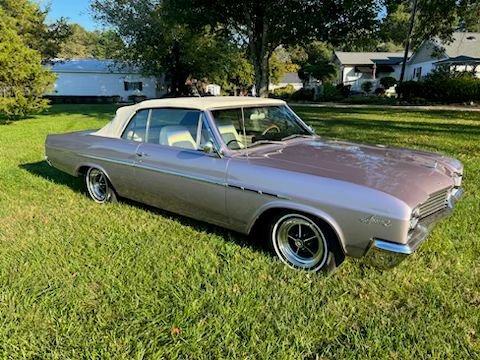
315, 61
157, 39
91, 44
262, 26
29, 22
23, 79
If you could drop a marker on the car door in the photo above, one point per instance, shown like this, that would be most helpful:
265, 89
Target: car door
118, 156
174, 172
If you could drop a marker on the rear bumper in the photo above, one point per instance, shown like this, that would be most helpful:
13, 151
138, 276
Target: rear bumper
386, 254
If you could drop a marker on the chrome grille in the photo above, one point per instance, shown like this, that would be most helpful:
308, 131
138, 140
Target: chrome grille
436, 202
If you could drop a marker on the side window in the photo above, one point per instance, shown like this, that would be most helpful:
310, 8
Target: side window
176, 127
137, 128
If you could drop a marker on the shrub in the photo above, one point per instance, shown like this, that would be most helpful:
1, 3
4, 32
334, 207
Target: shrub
367, 86
442, 86
388, 81
302, 95
137, 98
284, 92
344, 89
409, 90
330, 93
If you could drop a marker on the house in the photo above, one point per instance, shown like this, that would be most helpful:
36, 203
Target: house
355, 68
462, 54
93, 78
289, 78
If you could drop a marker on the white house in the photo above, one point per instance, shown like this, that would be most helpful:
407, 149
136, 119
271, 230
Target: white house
463, 53
289, 78
359, 67
93, 77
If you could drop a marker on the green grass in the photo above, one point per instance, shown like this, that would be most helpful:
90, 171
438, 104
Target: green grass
78, 280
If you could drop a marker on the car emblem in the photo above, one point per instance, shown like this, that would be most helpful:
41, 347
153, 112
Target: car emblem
369, 220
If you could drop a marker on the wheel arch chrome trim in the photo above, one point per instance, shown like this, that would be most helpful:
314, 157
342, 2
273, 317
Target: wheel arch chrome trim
289, 205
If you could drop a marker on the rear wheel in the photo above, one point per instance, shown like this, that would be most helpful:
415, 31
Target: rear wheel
98, 186
304, 243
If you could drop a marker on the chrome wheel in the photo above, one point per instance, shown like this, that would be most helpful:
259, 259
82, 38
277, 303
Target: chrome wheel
97, 185
299, 242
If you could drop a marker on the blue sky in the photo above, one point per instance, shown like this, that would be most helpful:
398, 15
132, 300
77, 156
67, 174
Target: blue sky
77, 11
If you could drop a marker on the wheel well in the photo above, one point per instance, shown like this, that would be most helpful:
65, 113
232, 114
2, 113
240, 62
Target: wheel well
82, 170
260, 227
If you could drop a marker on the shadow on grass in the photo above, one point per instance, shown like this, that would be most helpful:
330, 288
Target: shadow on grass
42, 169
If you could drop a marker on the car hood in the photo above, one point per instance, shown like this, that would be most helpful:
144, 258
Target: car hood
409, 175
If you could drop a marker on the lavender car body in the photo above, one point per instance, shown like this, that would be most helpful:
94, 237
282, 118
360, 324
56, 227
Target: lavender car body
367, 199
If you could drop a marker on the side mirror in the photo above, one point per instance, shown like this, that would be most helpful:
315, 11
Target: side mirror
311, 128
209, 148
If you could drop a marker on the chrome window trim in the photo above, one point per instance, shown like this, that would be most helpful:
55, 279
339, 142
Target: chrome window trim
230, 152
130, 120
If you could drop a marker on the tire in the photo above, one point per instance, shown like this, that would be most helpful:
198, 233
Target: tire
304, 243
98, 186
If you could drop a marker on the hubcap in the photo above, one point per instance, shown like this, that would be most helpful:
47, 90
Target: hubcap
300, 242
97, 185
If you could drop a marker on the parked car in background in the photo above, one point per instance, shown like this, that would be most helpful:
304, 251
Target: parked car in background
253, 166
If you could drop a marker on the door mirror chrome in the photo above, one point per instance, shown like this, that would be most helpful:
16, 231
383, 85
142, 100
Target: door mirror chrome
209, 148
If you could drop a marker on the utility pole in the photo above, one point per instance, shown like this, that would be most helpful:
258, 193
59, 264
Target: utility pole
414, 4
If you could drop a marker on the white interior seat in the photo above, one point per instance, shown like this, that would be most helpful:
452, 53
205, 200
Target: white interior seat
229, 133
177, 136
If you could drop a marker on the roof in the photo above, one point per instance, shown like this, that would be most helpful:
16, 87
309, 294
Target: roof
208, 102
463, 44
290, 78
459, 60
369, 58
114, 128
92, 66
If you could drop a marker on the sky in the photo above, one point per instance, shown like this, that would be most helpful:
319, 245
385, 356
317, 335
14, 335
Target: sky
77, 11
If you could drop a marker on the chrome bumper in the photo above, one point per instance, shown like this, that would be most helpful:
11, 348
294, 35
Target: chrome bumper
386, 254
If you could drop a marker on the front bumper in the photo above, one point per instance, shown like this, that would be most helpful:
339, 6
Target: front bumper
386, 254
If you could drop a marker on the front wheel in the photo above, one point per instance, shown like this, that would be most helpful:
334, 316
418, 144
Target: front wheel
98, 186
302, 243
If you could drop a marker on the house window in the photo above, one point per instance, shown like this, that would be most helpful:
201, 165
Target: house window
417, 73
133, 85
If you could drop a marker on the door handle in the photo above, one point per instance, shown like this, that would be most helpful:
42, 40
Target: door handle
142, 154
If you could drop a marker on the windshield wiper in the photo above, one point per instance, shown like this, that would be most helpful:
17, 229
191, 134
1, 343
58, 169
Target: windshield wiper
295, 136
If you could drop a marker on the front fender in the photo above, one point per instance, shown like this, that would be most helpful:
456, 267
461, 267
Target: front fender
280, 204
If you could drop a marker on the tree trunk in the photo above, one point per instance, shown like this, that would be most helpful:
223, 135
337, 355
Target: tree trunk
259, 48
262, 75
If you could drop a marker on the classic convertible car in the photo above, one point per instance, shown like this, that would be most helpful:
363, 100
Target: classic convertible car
252, 165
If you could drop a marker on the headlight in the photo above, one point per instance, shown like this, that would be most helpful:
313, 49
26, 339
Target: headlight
414, 218
457, 179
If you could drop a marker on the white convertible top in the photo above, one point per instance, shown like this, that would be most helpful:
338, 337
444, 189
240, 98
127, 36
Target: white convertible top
117, 124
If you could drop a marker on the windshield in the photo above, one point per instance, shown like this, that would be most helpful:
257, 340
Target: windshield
243, 128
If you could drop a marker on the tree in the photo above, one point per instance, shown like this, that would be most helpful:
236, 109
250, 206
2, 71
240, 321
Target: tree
434, 18
157, 39
91, 44
367, 87
28, 21
315, 61
78, 45
262, 26
23, 79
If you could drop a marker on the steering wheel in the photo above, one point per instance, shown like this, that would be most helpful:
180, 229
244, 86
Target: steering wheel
270, 128
240, 145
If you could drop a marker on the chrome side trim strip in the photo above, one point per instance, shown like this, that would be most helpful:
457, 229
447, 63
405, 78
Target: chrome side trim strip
185, 176
182, 175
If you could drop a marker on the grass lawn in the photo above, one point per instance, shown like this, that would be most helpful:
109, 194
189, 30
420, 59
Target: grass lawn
79, 280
